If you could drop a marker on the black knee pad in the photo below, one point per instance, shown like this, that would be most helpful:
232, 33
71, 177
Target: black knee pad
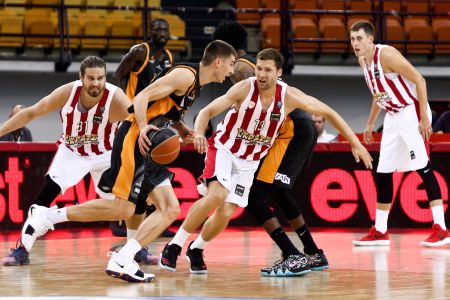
430, 182
385, 188
258, 206
48, 193
286, 202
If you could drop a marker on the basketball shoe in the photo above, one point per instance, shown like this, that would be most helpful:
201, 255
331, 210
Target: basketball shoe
142, 257
318, 261
17, 257
36, 225
195, 258
438, 237
169, 256
127, 270
294, 265
373, 238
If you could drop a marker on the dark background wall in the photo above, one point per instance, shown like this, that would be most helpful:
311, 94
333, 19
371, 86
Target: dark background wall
348, 95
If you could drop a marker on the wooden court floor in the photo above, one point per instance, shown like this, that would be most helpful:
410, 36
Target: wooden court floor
70, 263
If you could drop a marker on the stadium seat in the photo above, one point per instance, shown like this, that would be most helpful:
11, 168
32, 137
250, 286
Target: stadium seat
11, 25
95, 27
393, 7
442, 33
418, 7
46, 2
395, 32
248, 18
333, 29
305, 28
270, 29
362, 5
333, 5
305, 4
20, 10
40, 26
74, 29
418, 30
121, 28
271, 4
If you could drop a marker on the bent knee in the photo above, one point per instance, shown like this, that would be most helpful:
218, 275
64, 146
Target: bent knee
172, 212
123, 210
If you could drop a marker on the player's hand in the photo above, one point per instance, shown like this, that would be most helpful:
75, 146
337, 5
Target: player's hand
144, 141
425, 128
200, 143
368, 137
360, 153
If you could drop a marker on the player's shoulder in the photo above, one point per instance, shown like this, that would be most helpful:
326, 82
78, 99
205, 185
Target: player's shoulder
389, 51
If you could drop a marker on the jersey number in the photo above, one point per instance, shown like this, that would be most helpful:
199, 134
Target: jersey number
259, 125
81, 126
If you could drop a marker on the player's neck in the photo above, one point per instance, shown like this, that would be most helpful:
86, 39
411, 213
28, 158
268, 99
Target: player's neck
87, 101
369, 55
206, 74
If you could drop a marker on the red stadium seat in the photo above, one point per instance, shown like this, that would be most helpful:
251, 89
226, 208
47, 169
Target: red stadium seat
248, 18
419, 30
305, 4
305, 28
395, 32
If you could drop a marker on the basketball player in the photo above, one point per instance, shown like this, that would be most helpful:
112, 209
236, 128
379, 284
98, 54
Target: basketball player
289, 155
89, 108
133, 178
140, 66
399, 89
258, 108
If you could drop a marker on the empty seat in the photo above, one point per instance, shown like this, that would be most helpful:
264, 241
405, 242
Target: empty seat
17, 8
40, 27
248, 18
74, 29
392, 7
442, 34
11, 25
419, 30
333, 5
271, 4
94, 27
305, 4
418, 7
395, 32
333, 29
121, 28
305, 28
362, 5
270, 28
442, 7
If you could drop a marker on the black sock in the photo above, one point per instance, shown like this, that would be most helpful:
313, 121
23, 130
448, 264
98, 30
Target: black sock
307, 240
284, 243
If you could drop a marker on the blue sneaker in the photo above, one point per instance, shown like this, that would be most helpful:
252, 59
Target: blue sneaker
17, 257
294, 265
143, 257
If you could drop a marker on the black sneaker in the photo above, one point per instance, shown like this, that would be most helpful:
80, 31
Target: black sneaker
294, 265
17, 257
195, 257
318, 261
169, 256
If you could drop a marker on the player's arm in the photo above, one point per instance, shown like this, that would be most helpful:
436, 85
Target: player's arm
241, 71
186, 133
52, 102
393, 61
178, 81
374, 113
297, 99
119, 106
132, 61
234, 97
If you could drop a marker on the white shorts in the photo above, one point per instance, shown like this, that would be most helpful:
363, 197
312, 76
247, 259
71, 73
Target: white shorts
68, 168
235, 174
402, 146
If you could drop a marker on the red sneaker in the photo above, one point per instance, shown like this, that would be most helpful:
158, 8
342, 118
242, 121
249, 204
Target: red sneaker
373, 238
438, 237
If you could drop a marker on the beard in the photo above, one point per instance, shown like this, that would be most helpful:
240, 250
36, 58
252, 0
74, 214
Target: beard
95, 92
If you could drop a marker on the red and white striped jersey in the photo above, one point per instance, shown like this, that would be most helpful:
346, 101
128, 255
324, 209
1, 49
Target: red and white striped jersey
88, 133
391, 91
249, 132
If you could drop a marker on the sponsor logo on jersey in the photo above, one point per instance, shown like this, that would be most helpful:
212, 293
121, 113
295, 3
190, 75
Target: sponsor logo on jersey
78, 141
251, 138
283, 178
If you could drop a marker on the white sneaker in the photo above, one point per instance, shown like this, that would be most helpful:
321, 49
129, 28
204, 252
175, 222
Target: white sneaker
36, 225
127, 271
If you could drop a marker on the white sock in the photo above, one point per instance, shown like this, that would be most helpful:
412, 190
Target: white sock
180, 237
58, 215
438, 215
131, 233
129, 250
199, 243
381, 219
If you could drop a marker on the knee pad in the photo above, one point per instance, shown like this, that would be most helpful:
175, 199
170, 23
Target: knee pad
258, 205
430, 182
385, 188
286, 202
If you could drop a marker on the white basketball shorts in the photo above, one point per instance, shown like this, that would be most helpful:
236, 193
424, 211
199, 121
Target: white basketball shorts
402, 146
68, 168
235, 174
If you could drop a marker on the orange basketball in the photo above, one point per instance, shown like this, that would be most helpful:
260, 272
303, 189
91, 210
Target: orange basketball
165, 146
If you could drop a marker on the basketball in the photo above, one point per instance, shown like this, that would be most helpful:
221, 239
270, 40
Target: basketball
165, 146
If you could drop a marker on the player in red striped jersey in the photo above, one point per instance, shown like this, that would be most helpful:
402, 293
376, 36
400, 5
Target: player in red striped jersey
399, 89
89, 109
257, 106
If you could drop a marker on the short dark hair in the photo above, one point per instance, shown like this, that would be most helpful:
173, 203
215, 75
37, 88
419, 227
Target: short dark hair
233, 33
217, 49
158, 20
271, 54
92, 62
365, 25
